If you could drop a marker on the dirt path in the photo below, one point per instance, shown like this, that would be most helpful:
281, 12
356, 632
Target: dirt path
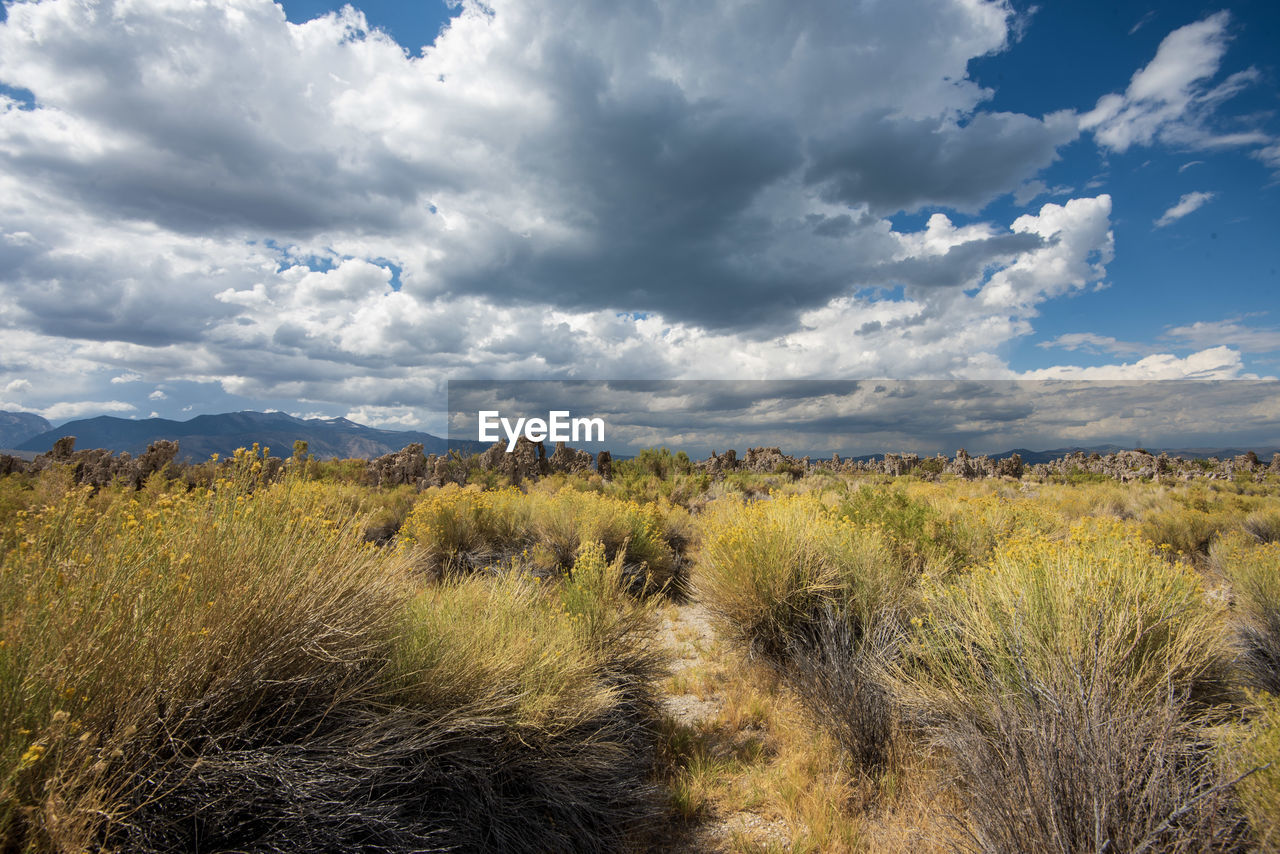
697, 706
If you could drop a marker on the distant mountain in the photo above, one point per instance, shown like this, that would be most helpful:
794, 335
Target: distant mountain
18, 427
205, 435
1032, 457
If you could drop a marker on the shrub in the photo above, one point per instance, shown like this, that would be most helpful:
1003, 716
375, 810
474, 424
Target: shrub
836, 666
1076, 765
1254, 573
464, 529
545, 707
1254, 749
815, 596
237, 669
1072, 683
1263, 525
1186, 531
141, 633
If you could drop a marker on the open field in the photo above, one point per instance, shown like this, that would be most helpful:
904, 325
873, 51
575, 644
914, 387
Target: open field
245, 656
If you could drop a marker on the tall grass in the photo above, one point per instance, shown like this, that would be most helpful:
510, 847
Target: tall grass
817, 596
1253, 571
237, 669
1253, 749
138, 632
465, 529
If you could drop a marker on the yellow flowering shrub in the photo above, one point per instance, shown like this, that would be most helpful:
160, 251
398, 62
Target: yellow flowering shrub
766, 568
1101, 597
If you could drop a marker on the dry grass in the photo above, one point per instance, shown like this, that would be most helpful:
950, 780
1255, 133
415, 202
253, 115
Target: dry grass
1253, 570
908, 667
1253, 748
237, 669
466, 529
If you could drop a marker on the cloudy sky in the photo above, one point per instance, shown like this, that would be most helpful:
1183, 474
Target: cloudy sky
855, 417
239, 204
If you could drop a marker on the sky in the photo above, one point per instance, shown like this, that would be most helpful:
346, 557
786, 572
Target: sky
335, 210
869, 417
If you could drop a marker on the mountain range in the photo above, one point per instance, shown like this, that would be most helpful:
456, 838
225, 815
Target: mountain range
1032, 457
221, 434
328, 438
18, 427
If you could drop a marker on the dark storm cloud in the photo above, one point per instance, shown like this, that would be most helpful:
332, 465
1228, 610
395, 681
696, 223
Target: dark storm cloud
865, 417
107, 297
636, 138
962, 264
895, 164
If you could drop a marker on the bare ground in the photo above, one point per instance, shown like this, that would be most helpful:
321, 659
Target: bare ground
696, 703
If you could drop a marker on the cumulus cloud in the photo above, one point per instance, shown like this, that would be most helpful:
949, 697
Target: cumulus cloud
388, 417
897, 164
1189, 203
646, 161
1214, 363
680, 188
75, 409
1173, 98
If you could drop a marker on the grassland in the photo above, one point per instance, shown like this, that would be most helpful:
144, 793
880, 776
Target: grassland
246, 661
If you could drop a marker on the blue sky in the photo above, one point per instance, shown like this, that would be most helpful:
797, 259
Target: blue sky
336, 210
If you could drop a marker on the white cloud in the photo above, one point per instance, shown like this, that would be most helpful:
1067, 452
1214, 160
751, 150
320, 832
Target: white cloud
1187, 204
683, 188
1215, 363
77, 409
17, 386
1232, 333
387, 417
157, 395
1078, 246
1270, 155
1172, 99
1090, 342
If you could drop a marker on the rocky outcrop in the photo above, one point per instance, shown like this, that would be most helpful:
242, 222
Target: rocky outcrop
566, 460
1127, 466
408, 466
718, 465
99, 467
12, 465
1010, 466
529, 461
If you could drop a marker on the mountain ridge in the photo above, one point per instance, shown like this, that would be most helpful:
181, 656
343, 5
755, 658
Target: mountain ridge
204, 435
18, 427
221, 433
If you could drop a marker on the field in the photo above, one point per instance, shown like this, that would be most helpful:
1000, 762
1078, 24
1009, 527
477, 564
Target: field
241, 656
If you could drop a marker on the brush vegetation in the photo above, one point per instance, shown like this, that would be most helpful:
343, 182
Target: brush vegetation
250, 661
237, 668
